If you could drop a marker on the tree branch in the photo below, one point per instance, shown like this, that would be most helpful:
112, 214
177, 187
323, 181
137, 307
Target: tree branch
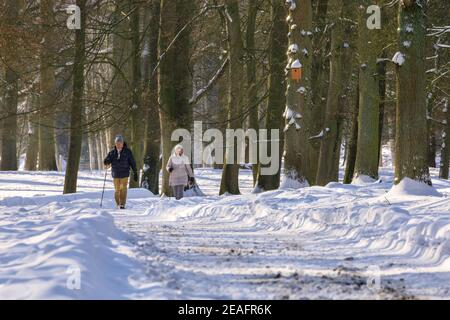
200, 93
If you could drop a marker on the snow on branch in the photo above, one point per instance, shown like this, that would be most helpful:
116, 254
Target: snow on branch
200, 93
399, 58
443, 122
321, 135
438, 31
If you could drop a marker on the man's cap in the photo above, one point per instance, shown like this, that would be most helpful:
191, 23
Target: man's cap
118, 138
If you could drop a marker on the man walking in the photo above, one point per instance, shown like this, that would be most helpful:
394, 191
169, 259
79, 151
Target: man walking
121, 159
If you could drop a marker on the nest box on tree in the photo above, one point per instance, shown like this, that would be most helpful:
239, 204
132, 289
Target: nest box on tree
296, 70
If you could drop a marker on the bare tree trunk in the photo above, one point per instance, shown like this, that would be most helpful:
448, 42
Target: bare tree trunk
76, 112
121, 93
252, 89
352, 141
99, 150
319, 77
33, 137
345, 98
222, 115
137, 112
174, 76
411, 154
382, 106
297, 162
277, 87
431, 154
368, 127
391, 132
230, 172
150, 175
445, 148
9, 131
47, 155
330, 135
93, 164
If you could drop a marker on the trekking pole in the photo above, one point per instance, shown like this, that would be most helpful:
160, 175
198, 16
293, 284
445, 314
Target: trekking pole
103, 191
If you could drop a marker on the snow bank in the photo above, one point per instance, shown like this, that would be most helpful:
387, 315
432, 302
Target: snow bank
362, 179
66, 247
78, 256
409, 187
288, 183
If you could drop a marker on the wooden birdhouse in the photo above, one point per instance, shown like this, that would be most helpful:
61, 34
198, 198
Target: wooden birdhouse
296, 70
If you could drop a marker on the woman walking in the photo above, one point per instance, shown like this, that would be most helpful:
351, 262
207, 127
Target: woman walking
180, 172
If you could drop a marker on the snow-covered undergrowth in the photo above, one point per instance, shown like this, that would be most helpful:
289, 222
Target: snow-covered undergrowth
223, 246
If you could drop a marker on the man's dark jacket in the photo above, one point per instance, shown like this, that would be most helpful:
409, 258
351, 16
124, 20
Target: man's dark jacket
121, 162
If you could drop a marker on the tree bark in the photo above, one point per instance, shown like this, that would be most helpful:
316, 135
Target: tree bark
173, 77
230, 172
277, 86
369, 49
92, 147
150, 174
252, 89
122, 56
9, 130
382, 106
431, 154
47, 155
330, 135
352, 141
33, 137
445, 148
76, 110
319, 77
297, 162
411, 153
137, 111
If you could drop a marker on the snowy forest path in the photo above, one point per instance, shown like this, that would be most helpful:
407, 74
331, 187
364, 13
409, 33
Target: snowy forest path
317, 242
206, 258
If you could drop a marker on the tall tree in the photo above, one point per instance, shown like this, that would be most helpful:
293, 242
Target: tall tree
174, 79
122, 96
47, 160
382, 73
137, 111
352, 142
445, 147
319, 76
150, 174
76, 109
9, 130
33, 136
297, 162
411, 131
369, 51
329, 136
277, 86
230, 172
252, 89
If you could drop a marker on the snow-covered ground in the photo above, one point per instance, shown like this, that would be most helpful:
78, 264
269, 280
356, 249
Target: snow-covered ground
341, 241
